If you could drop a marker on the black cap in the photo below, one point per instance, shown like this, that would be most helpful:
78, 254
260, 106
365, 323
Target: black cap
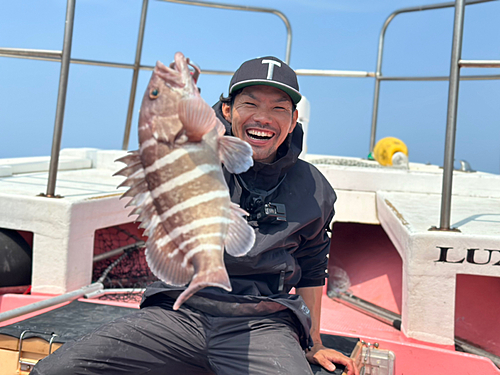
269, 71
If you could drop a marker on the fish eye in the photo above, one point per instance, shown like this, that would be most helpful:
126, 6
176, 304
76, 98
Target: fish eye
154, 93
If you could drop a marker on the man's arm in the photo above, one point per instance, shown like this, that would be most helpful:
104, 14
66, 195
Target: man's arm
319, 354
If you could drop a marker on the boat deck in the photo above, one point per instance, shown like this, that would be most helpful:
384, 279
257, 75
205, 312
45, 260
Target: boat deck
405, 203
337, 319
63, 229
82, 174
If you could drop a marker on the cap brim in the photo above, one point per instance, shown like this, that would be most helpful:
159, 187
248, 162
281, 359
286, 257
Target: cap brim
294, 94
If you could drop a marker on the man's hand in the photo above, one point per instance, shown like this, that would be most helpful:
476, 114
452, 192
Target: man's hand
325, 357
319, 354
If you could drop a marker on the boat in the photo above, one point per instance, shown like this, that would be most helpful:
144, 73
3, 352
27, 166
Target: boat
415, 288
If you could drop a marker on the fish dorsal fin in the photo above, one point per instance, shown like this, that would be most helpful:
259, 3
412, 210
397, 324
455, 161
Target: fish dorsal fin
131, 158
235, 154
162, 254
134, 173
240, 237
197, 117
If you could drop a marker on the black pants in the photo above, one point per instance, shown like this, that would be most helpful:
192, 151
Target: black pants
158, 340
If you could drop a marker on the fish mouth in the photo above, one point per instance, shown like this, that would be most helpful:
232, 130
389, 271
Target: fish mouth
259, 135
170, 75
179, 61
185, 67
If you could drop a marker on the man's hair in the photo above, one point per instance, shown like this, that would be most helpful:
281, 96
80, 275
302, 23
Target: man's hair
229, 100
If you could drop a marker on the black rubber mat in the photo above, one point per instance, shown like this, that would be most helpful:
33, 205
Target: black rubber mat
78, 318
69, 322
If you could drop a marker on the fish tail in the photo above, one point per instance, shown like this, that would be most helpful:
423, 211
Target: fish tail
211, 277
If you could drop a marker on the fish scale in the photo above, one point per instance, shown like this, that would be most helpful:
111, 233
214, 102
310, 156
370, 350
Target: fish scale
176, 182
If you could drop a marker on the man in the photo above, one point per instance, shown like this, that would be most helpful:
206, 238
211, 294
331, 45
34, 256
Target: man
258, 327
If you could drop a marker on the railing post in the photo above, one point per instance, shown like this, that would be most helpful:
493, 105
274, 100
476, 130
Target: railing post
61, 98
376, 95
135, 76
378, 75
451, 121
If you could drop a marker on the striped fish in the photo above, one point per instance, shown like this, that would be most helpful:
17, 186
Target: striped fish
177, 185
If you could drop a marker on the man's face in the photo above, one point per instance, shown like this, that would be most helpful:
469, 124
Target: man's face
263, 116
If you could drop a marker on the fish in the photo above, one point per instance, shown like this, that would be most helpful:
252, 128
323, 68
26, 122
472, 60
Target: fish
177, 186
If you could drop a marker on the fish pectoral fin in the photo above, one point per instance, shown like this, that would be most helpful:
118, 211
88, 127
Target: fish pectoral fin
166, 261
235, 154
221, 129
241, 236
197, 117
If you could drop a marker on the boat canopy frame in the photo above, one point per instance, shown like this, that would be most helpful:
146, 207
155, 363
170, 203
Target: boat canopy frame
456, 63
64, 56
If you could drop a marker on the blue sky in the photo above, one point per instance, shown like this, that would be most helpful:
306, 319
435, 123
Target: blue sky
327, 34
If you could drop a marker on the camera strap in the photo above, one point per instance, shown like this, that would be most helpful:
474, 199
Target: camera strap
263, 194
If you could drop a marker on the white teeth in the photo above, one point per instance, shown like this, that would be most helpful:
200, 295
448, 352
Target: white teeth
260, 133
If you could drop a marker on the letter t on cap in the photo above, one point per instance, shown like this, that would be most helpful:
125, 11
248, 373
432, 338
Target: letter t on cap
270, 68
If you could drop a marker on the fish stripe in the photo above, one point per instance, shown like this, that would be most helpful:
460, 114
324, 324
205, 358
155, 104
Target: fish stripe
167, 159
198, 249
148, 143
166, 240
194, 201
171, 157
199, 237
138, 174
184, 178
195, 224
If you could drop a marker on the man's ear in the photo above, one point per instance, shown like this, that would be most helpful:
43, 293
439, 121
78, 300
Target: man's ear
295, 117
226, 111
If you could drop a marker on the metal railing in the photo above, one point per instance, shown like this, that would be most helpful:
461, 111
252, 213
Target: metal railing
378, 72
65, 57
453, 78
451, 123
61, 99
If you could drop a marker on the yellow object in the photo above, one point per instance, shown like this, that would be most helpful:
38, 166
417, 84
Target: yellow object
386, 148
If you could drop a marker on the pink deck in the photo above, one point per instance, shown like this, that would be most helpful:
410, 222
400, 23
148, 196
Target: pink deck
411, 358
375, 270
374, 267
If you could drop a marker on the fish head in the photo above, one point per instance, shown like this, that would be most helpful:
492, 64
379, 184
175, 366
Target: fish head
159, 110
160, 105
189, 73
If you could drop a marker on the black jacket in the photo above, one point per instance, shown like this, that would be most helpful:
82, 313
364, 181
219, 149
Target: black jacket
285, 255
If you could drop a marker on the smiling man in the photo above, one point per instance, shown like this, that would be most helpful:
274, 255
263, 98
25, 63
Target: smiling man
259, 328
263, 116
261, 110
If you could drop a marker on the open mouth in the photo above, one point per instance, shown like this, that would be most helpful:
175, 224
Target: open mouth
260, 135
